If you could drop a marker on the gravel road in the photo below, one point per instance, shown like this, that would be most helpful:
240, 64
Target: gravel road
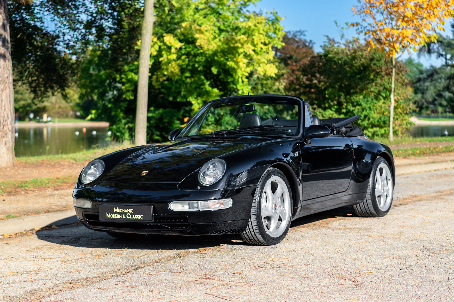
333, 256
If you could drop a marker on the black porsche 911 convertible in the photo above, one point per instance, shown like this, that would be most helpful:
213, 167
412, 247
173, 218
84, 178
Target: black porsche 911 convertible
245, 165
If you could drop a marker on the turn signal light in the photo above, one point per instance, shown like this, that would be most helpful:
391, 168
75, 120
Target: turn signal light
82, 203
206, 205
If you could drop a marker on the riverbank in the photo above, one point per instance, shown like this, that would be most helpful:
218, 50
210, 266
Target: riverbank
78, 124
419, 122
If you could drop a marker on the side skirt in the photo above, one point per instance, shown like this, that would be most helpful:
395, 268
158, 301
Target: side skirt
329, 204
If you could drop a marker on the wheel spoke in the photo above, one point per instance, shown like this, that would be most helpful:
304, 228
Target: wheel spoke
383, 177
278, 192
379, 192
274, 221
377, 181
269, 195
266, 212
282, 213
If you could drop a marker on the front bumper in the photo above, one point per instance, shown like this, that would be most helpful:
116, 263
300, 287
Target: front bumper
165, 221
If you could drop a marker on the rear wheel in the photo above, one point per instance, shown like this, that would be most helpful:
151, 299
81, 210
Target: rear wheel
379, 195
271, 210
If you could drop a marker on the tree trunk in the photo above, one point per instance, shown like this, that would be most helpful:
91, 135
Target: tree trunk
6, 91
144, 67
391, 108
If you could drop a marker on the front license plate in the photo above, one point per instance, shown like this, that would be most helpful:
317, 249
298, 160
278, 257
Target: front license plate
125, 213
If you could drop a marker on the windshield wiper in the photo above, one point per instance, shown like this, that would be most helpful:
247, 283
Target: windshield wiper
265, 128
224, 133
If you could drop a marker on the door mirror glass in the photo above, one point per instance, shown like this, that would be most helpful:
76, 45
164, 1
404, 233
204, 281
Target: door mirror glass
173, 134
317, 131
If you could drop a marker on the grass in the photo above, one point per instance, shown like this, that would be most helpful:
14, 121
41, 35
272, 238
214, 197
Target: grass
11, 186
425, 151
435, 119
63, 120
413, 140
83, 156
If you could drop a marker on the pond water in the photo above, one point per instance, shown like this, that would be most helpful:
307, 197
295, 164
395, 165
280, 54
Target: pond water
58, 140
432, 130
63, 140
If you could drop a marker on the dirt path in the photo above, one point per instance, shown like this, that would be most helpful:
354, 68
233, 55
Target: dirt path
41, 169
33, 203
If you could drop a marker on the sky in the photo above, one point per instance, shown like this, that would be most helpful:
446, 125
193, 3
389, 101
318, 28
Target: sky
317, 18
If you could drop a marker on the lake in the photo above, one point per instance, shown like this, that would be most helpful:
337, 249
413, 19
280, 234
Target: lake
51, 140
431, 130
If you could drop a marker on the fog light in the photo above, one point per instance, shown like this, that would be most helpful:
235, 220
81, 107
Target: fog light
206, 205
82, 203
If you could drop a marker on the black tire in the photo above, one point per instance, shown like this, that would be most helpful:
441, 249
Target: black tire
255, 232
371, 206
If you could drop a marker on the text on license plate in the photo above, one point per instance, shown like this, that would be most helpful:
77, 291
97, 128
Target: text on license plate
131, 213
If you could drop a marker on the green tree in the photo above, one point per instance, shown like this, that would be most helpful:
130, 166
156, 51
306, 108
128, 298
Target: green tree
399, 25
200, 50
348, 79
434, 86
40, 55
296, 50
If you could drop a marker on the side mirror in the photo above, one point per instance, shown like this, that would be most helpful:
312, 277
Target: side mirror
317, 131
174, 133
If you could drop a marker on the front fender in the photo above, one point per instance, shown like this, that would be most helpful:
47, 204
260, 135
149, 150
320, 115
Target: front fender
247, 167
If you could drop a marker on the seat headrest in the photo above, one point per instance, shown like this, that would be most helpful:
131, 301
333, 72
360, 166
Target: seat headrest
250, 120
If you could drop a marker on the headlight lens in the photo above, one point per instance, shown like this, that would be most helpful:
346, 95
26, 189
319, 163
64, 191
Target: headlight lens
92, 171
212, 171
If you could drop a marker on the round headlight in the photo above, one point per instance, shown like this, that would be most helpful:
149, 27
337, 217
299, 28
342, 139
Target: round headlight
212, 171
92, 171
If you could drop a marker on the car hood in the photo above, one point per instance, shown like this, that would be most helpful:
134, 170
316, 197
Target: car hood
172, 163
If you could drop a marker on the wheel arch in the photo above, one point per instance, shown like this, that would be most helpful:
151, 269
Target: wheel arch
293, 182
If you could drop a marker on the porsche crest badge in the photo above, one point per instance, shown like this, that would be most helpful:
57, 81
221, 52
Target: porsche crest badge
144, 173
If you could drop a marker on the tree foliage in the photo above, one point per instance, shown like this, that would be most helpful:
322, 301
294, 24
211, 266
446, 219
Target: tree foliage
201, 50
296, 50
434, 86
42, 44
398, 25
344, 80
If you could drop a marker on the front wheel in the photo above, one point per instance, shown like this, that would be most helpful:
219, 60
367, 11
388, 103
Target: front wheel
271, 210
379, 195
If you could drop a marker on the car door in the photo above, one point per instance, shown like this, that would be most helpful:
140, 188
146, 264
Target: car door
326, 166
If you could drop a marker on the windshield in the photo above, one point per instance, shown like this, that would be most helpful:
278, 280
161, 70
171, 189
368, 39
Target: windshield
264, 115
